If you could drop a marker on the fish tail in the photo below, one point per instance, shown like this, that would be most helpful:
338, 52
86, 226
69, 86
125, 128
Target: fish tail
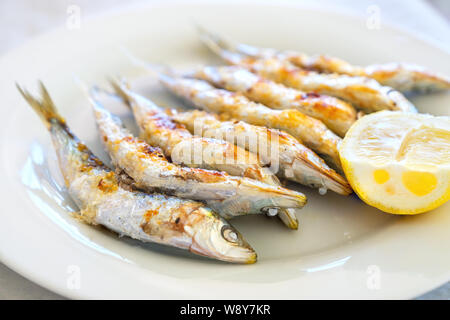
218, 45
159, 69
43, 106
134, 101
165, 73
216, 41
100, 111
92, 94
121, 88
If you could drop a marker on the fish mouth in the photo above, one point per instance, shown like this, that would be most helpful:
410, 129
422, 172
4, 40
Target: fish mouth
278, 198
216, 238
315, 175
287, 216
235, 254
400, 102
338, 185
271, 197
252, 259
255, 197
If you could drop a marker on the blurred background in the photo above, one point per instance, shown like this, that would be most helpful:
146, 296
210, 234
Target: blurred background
21, 20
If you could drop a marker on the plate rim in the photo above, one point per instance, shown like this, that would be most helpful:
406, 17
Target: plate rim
128, 9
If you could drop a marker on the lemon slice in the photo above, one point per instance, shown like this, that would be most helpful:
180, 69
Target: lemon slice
399, 162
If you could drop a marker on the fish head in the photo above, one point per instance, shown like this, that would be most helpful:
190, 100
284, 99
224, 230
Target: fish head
268, 199
215, 237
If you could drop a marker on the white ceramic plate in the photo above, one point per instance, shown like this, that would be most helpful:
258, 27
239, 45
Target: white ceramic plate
344, 249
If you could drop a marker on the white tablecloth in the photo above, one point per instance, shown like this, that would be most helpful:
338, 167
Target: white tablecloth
23, 19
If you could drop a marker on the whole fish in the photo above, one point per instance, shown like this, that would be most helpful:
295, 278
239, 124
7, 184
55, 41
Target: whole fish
228, 195
156, 218
309, 131
400, 76
334, 113
364, 93
404, 77
158, 129
297, 163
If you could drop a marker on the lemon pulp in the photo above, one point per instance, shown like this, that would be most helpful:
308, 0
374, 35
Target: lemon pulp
399, 162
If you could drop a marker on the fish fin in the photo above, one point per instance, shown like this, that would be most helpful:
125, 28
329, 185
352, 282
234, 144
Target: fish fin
287, 216
44, 106
85, 216
91, 94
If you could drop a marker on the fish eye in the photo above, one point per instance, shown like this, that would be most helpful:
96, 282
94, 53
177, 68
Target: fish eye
229, 234
270, 211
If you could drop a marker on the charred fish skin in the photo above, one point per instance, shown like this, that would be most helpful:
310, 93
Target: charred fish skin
150, 218
363, 92
296, 162
158, 129
228, 195
233, 106
403, 77
312, 132
177, 142
335, 114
